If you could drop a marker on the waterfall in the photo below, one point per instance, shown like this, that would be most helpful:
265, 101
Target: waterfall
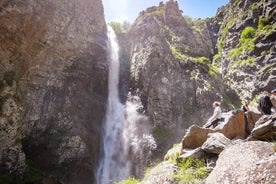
127, 142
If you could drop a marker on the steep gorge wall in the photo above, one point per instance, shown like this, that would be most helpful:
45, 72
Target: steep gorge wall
172, 71
53, 88
246, 47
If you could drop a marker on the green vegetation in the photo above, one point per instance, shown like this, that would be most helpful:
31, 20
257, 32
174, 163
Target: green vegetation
247, 44
229, 101
154, 11
10, 179
70, 69
247, 34
161, 133
131, 180
213, 69
262, 23
9, 77
120, 27
191, 171
173, 153
198, 25
188, 19
222, 39
34, 174
188, 170
246, 62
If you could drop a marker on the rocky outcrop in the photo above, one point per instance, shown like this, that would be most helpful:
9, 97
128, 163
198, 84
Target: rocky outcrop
265, 128
207, 145
234, 126
215, 143
53, 55
249, 162
171, 70
228, 161
160, 174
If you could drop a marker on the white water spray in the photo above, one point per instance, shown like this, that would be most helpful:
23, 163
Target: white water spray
127, 138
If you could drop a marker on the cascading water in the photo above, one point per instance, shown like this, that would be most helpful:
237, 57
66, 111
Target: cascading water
127, 142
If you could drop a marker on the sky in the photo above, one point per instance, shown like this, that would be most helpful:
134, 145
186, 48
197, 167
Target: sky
128, 10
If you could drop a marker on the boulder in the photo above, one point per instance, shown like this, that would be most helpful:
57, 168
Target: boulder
161, 174
252, 118
215, 143
265, 128
234, 126
195, 137
197, 153
244, 162
263, 171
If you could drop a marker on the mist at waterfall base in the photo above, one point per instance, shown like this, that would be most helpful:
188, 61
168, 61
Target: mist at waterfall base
127, 139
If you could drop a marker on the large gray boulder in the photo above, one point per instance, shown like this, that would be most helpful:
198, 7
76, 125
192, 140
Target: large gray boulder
265, 128
247, 162
215, 143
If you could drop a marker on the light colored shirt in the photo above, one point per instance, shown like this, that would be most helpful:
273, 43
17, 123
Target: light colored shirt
217, 109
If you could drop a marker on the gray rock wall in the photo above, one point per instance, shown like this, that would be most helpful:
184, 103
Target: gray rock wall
246, 46
170, 69
56, 50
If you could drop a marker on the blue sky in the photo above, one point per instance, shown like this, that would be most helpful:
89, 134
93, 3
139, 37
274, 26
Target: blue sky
120, 10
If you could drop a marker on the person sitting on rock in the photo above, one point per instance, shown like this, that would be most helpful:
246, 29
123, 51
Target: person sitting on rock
245, 107
265, 103
213, 121
273, 99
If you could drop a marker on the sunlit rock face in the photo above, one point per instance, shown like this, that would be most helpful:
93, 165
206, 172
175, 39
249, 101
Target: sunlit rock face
169, 68
246, 47
53, 57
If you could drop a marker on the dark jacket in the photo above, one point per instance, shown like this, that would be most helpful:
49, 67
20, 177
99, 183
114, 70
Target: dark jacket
265, 104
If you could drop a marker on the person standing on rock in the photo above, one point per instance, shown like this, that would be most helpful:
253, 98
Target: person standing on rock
213, 121
265, 103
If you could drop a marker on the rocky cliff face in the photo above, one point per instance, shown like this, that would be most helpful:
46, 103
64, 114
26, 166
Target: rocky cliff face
246, 46
53, 88
179, 67
171, 69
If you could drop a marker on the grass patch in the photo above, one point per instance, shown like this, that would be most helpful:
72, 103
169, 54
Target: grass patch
191, 171
130, 180
9, 77
247, 33
213, 69
173, 153
247, 44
